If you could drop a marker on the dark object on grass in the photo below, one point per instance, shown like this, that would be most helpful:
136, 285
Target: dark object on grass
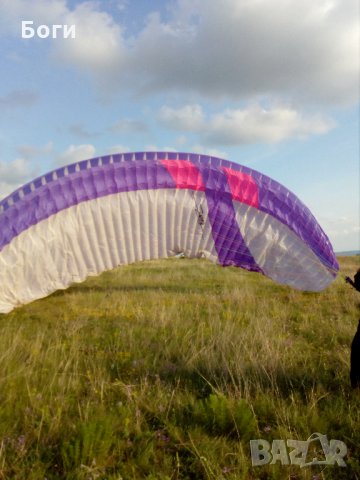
356, 282
355, 360
355, 345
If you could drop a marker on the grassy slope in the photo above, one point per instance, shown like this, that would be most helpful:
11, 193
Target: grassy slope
166, 370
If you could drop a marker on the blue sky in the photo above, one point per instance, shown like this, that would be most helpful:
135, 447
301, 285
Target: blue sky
271, 85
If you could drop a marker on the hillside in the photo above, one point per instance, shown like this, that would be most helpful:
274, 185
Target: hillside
167, 369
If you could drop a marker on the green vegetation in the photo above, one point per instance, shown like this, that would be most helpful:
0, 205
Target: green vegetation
167, 369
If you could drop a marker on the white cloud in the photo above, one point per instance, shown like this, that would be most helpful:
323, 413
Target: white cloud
241, 126
129, 126
30, 151
117, 149
303, 51
15, 171
6, 189
255, 124
98, 46
14, 174
122, 5
13, 12
213, 152
182, 140
344, 232
78, 130
76, 153
98, 43
187, 118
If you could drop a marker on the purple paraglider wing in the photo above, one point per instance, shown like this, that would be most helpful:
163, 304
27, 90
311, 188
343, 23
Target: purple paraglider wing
97, 214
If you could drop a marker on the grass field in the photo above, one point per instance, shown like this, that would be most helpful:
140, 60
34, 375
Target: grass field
167, 369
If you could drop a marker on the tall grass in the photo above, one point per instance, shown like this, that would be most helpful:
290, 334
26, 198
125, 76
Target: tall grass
167, 369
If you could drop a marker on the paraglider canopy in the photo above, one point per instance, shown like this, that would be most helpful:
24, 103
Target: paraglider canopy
94, 215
